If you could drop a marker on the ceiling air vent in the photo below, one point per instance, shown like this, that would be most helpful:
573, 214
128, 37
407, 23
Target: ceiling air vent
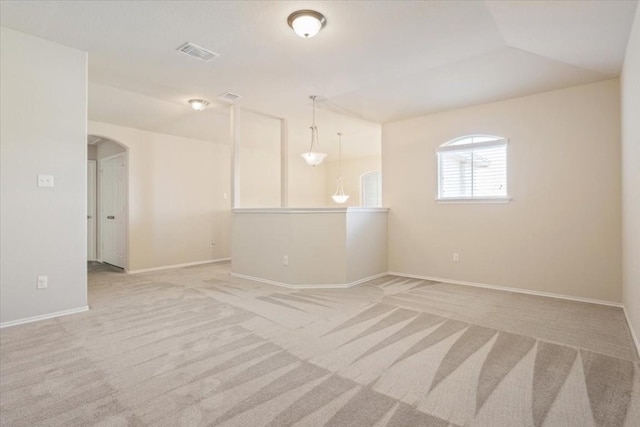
197, 52
229, 97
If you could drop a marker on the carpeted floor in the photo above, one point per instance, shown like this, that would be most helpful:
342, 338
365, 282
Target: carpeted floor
193, 346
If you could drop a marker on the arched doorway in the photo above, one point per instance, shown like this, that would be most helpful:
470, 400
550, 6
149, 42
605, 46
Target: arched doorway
107, 200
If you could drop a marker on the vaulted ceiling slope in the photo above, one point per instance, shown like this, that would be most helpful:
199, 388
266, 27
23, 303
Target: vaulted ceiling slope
378, 60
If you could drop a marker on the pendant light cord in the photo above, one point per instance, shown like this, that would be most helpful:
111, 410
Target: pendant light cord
340, 155
314, 129
340, 196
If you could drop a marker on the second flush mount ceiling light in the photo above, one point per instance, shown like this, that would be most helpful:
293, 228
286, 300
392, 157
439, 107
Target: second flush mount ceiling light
198, 104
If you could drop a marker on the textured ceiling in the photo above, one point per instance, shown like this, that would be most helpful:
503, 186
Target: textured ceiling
377, 60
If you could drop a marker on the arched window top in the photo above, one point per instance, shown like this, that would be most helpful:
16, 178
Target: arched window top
471, 139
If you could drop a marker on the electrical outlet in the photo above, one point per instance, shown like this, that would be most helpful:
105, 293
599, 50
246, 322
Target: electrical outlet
43, 282
455, 257
212, 243
285, 260
45, 180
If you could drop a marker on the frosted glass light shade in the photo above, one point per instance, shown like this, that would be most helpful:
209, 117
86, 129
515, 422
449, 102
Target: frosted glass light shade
313, 158
198, 104
340, 198
306, 23
306, 26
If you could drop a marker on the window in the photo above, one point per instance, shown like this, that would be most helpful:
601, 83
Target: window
473, 168
371, 189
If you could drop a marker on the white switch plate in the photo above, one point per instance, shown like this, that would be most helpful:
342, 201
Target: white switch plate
45, 180
455, 257
43, 282
285, 260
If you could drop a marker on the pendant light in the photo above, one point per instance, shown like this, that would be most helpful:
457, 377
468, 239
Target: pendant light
314, 158
340, 197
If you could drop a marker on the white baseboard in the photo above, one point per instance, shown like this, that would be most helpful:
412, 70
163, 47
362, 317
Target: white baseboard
632, 331
43, 317
318, 286
186, 264
507, 289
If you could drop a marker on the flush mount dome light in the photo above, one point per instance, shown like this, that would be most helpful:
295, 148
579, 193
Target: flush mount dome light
198, 104
306, 23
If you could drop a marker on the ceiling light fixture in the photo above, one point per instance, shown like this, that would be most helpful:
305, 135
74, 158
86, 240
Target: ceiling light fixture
314, 158
198, 104
306, 23
340, 197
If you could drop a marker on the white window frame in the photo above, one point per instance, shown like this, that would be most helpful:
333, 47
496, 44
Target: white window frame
362, 189
451, 146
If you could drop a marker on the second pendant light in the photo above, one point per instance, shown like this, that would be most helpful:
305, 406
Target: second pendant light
340, 196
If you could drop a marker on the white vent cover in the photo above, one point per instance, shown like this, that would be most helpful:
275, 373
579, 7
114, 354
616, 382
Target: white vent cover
229, 97
197, 52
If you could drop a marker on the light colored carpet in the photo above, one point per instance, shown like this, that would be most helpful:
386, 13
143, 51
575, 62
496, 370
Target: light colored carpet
193, 346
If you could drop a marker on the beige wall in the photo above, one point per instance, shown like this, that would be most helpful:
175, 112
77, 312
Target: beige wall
307, 184
314, 243
324, 246
367, 244
560, 234
176, 199
352, 170
630, 90
43, 131
259, 162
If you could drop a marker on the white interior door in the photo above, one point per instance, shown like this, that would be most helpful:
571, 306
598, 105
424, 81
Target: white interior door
112, 210
91, 210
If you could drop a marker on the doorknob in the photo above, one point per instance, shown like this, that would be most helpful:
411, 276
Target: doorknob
111, 217
89, 217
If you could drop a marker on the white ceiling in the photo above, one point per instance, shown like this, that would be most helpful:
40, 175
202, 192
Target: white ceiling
378, 60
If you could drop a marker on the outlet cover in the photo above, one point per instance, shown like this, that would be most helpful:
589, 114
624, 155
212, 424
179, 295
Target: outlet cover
43, 282
45, 180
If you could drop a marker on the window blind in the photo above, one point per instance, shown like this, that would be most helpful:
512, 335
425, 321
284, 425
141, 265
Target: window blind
473, 171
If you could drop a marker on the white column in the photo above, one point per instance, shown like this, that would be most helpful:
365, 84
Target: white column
284, 163
235, 156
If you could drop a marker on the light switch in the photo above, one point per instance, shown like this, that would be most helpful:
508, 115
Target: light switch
45, 180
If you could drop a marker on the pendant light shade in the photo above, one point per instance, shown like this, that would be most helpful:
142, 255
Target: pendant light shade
314, 156
340, 197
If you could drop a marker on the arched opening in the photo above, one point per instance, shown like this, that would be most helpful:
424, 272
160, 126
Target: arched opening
107, 204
